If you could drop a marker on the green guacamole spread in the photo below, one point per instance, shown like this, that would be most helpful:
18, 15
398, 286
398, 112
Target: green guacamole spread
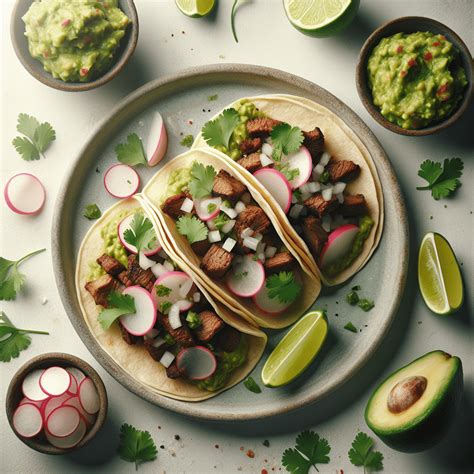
416, 79
75, 39
177, 181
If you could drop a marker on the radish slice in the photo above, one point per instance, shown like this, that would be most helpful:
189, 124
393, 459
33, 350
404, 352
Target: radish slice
301, 160
339, 244
197, 363
24, 194
121, 181
176, 282
63, 421
89, 397
277, 185
31, 387
123, 226
246, 278
55, 381
27, 420
53, 403
70, 441
202, 208
74, 385
77, 374
38, 404
76, 403
267, 304
157, 142
144, 318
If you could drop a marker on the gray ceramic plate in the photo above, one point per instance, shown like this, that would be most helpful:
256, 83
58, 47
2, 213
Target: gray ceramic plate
182, 100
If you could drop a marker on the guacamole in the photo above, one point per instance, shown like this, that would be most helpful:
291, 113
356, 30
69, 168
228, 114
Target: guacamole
75, 39
177, 181
416, 79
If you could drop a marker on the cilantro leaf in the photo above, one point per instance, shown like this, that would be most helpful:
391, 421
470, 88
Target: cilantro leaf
285, 139
37, 137
119, 305
251, 385
132, 152
220, 220
162, 290
283, 286
187, 141
217, 132
202, 180
194, 229
27, 125
26, 149
136, 446
441, 181
92, 211
310, 450
361, 453
44, 135
11, 279
350, 327
141, 233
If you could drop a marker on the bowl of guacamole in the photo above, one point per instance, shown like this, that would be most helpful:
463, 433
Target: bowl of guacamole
415, 76
74, 45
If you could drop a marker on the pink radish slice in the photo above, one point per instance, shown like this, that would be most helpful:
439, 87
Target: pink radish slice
174, 281
31, 386
339, 244
122, 227
121, 181
277, 185
301, 160
198, 363
66, 442
157, 142
63, 421
89, 397
38, 404
201, 206
269, 305
55, 381
24, 194
27, 420
74, 385
144, 318
53, 403
246, 278
77, 374
75, 402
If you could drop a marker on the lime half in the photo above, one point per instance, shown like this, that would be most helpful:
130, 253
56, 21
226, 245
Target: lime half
322, 17
439, 275
296, 350
195, 8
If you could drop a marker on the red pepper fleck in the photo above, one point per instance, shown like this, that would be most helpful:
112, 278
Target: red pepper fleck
428, 56
250, 453
264, 471
400, 49
442, 89
436, 43
403, 73
66, 22
84, 71
411, 62
190, 122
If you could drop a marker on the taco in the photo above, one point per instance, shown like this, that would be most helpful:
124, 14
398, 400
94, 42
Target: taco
225, 230
319, 180
151, 315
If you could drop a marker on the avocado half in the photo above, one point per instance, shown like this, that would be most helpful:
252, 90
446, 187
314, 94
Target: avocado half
411, 410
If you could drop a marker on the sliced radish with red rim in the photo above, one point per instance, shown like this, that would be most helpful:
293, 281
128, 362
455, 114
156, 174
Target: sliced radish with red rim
31, 386
53, 403
89, 397
39, 403
175, 281
121, 181
144, 318
66, 442
269, 305
277, 185
24, 194
63, 421
302, 161
202, 207
77, 374
157, 142
76, 403
339, 244
27, 420
55, 381
197, 363
123, 226
246, 278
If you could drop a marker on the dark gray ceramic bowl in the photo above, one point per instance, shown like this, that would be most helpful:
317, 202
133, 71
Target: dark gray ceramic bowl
35, 68
412, 24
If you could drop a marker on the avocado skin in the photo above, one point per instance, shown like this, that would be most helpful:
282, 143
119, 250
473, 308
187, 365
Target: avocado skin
432, 429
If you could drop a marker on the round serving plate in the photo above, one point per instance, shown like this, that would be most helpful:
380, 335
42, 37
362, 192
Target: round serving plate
182, 99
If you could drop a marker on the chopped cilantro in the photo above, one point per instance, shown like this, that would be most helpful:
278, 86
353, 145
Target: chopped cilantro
187, 141
162, 290
283, 286
193, 320
365, 304
212, 98
285, 140
324, 178
165, 307
350, 327
442, 181
169, 339
132, 152
220, 220
356, 288
352, 298
92, 212
119, 305
361, 453
211, 207
217, 132
251, 385
191, 227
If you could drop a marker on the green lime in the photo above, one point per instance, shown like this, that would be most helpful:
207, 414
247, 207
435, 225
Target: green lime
439, 275
296, 350
195, 8
322, 17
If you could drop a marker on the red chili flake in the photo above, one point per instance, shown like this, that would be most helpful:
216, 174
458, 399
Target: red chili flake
399, 49
442, 89
264, 471
84, 71
436, 43
411, 62
190, 122
403, 73
66, 22
428, 56
250, 453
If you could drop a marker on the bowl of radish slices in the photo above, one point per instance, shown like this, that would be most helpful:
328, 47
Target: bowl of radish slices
56, 403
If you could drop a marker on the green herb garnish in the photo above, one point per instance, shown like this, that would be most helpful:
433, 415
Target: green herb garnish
202, 180
285, 140
132, 152
442, 181
92, 212
350, 327
136, 446
165, 307
168, 338
356, 288
140, 234
212, 98
119, 305
191, 227
187, 141
217, 132
211, 207
365, 304
162, 290
193, 320
324, 178
361, 453
283, 286
352, 298
220, 220
251, 385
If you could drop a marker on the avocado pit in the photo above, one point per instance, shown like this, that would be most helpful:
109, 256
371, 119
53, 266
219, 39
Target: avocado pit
406, 393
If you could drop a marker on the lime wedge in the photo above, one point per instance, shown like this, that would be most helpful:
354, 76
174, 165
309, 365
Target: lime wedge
439, 275
296, 350
322, 17
195, 8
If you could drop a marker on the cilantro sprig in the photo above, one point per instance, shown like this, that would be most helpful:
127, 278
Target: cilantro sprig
36, 137
119, 305
310, 450
217, 132
92, 211
202, 180
285, 140
191, 227
362, 454
140, 234
13, 340
136, 446
283, 286
11, 279
442, 180
132, 152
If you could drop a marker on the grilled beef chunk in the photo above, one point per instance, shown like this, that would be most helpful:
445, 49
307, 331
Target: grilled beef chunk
173, 372
228, 339
318, 206
211, 324
130, 339
251, 162
253, 217
217, 261
250, 145
172, 205
353, 206
110, 264
280, 262
138, 276
200, 248
124, 279
314, 142
155, 352
227, 187
182, 335
314, 235
342, 170
261, 127
101, 288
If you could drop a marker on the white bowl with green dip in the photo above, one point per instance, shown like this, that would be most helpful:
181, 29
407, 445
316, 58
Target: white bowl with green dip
74, 45
414, 76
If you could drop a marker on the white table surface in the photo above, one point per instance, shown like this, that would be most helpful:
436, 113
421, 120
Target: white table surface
266, 38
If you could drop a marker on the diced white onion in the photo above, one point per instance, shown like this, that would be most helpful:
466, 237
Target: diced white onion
319, 169
152, 333
182, 304
229, 244
261, 247
265, 160
168, 265
258, 236
214, 236
339, 187
270, 251
187, 205
158, 269
231, 212
167, 359
185, 288
267, 149
295, 211
246, 198
228, 226
173, 317
247, 232
314, 187
304, 188
197, 297
324, 160
261, 256
211, 224
326, 223
158, 342
144, 261
327, 194
305, 196
250, 243
239, 207
340, 197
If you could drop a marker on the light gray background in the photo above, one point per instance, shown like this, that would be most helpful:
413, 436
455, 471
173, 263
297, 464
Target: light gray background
265, 38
